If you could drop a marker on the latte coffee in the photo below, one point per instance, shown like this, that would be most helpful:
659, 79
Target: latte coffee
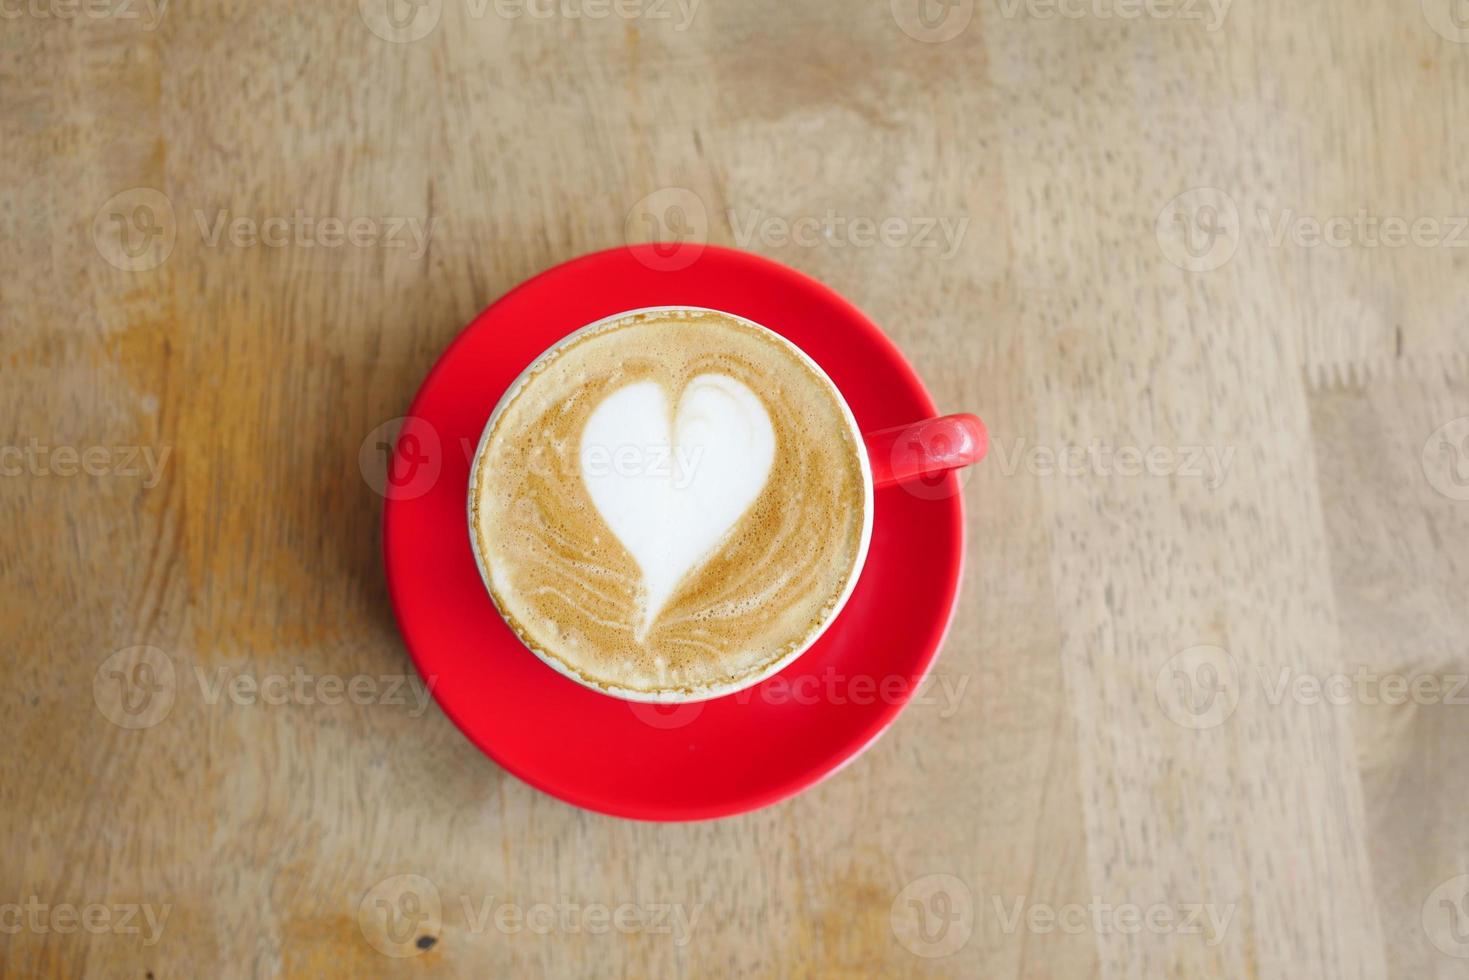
670, 504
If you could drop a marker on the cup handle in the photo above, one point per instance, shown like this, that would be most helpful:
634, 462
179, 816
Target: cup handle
924, 450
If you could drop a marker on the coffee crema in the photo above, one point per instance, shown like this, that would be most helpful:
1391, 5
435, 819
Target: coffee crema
670, 504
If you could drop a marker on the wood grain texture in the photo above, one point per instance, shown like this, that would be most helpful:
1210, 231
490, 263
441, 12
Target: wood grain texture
1119, 209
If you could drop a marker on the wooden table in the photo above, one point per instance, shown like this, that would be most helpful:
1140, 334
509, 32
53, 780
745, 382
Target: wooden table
1203, 271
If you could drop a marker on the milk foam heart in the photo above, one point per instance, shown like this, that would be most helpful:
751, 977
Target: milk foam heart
670, 485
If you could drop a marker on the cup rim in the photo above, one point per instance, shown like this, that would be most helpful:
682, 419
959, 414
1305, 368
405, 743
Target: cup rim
708, 691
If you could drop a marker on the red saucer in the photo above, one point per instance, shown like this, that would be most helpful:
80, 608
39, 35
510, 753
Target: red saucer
649, 762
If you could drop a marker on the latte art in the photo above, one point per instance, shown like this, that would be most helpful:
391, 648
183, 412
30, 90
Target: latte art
670, 522
670, 504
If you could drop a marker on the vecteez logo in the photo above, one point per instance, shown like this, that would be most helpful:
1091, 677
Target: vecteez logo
933, 916
135, 230
933, 21
135, 687
1199, 230
401, 459
401, 21
147, 14
672, 226
1449, 18
1210, 13
1446, 459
